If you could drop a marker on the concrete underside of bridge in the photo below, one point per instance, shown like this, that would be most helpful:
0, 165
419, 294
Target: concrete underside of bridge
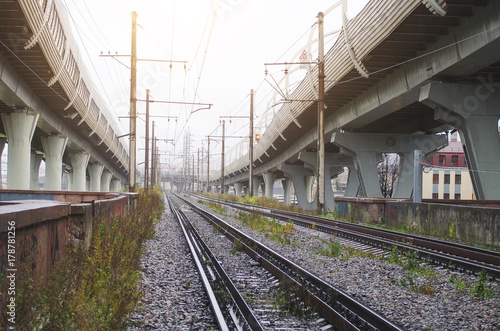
31, 129
40, 118
431, 75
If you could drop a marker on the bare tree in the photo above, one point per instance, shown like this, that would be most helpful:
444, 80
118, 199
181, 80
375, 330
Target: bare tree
388, 173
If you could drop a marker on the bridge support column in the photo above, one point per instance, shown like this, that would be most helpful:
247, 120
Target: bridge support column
474, 110
287, 190
69, 178
334, 164
116, 185
19, 126
269, 179
302, 182
106, 181
35, 161
79, 163
238, 187
256, 183
308, 184
53, 147
365, 149
95, 171
352, 183
226, 189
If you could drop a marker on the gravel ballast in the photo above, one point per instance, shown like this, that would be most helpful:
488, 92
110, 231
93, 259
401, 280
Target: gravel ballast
174, 296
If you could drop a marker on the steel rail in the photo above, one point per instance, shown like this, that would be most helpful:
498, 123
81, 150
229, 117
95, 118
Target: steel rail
247, 318
206, 283
341, 310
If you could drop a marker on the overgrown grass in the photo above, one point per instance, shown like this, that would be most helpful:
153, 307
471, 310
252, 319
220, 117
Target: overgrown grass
419, 278
481, 288
329, 248
95, 288
218, 208
257, 201
272, 229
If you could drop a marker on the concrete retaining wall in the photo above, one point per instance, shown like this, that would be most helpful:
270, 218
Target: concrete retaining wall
41, 230
469, 223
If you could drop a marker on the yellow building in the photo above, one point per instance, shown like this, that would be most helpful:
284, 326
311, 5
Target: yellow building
447, 183
446, 175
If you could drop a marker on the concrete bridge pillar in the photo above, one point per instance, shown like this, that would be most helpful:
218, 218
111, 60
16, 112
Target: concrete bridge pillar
474, 110
20, 127
79, 163
238, 187
334, 164
365, 149
69, 178
106, 181
35, 161
303, 179
353, 184
53, 147
226, 189
309, 183
256, 183
95, 172
269, 179
287, 190
116, 185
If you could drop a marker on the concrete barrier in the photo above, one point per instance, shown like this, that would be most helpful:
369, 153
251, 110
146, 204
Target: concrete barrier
37, 230
469, 222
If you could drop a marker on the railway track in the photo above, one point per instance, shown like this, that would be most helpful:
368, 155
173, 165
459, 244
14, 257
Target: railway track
329, 307
380, 241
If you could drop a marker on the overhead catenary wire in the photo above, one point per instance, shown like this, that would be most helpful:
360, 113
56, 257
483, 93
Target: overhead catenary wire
214, 14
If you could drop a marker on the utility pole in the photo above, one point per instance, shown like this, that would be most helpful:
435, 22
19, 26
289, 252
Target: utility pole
208, 164
202, 157
250, 149
321, 116
133, 102
192, 185
222, 158
146, 168
198, 174
153, 156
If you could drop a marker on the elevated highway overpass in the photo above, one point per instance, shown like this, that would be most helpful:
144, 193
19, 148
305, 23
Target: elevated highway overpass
399, 75
49, 106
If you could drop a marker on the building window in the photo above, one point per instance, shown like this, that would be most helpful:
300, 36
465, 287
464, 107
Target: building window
446, 196
458, 179
447, 178
435, 178
454, 160
435, 196
457, 196
442, 159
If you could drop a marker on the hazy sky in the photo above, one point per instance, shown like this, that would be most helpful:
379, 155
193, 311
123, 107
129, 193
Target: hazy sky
225, 55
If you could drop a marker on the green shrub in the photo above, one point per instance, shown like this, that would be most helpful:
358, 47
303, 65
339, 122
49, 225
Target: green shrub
95, 288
